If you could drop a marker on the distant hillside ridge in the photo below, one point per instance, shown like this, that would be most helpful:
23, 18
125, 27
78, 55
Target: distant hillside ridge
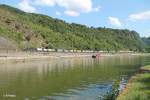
146, 40
30, 30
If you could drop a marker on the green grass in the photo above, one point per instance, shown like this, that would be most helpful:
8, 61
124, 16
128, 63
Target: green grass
139, 88
147, 67
12, 35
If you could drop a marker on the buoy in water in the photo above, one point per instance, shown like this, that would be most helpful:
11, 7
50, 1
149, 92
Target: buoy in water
96, 56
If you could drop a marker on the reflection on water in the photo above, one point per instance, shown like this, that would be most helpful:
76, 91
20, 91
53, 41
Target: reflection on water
65, 79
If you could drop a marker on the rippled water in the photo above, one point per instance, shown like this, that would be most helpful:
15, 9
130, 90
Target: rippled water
65, 79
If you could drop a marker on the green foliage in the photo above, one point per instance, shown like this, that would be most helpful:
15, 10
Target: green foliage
55, 33
147, 42
147, 49
112, 95
139, 88
17, 36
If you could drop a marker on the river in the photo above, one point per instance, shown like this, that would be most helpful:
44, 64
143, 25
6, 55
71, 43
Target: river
66, 79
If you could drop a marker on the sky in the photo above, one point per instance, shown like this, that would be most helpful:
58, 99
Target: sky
120, 14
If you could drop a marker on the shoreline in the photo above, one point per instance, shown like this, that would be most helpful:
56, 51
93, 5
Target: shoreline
29, 56
136, 87
32, 56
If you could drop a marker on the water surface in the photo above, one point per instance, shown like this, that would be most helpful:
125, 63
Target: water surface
66, 79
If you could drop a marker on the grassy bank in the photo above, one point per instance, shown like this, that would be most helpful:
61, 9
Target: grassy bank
138, 87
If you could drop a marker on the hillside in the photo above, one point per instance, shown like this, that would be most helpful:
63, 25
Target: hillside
29, 30
147, 42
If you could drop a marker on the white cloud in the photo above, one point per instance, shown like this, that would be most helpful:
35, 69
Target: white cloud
76, 5
45, 2
114, 21
72, 13
26, 6
58, 13
96, 9
140, 16
72, 7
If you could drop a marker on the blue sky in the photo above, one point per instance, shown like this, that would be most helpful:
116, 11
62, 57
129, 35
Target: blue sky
122, 14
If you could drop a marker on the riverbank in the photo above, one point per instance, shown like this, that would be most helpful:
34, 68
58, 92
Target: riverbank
138, 87
30, 56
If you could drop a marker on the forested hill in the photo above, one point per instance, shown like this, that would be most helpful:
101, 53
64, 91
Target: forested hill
28, 30
147, 42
